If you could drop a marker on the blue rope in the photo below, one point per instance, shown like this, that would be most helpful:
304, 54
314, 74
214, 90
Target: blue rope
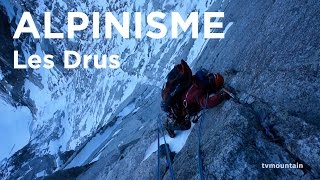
200, 163
167, 151
159, 174
199, 151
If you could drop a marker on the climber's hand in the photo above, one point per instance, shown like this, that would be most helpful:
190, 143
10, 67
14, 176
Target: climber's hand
224, 95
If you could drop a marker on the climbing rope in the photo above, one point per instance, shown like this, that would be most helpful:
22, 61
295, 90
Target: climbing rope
200, 163
159, 174
169, 163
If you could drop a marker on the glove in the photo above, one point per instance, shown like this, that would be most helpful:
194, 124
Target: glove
224, 95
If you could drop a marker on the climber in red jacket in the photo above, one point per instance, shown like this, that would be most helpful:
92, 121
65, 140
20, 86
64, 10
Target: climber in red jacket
203, 92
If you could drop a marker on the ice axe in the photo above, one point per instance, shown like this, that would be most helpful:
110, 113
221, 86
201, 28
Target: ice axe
232, 95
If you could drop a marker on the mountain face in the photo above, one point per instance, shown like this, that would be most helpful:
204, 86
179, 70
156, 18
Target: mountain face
102, 124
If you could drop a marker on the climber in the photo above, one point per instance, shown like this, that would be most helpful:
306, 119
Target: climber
184, 95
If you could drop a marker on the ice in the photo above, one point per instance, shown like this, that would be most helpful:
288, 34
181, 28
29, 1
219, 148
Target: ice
14, 128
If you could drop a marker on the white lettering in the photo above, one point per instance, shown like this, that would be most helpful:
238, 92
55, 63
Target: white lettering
191, 20
208, 25
47, 28
16, 64
26, 17
157, 25
111, 20
67, 54
71, 25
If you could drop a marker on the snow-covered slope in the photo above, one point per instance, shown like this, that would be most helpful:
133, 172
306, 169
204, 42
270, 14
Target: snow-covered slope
69, 106
14, 129
90, 123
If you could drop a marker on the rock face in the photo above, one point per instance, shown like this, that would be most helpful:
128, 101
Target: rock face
270, 57
272, 61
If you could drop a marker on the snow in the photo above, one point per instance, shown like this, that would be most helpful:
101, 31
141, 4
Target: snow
1, 75
116, 132
45, 99
175, 144
59, 94
14, 128
141, 128
96, 158
227, 27
91, 146
41, 174
127, 110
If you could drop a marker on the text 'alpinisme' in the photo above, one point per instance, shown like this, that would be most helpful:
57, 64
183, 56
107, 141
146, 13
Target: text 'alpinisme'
79, 21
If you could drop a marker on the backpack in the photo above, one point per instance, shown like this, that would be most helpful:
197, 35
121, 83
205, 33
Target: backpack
179, 79
205, 80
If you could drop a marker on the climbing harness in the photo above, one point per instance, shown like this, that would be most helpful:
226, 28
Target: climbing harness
185, 104
169, 163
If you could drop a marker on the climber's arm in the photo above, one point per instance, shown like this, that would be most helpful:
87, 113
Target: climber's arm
212, 100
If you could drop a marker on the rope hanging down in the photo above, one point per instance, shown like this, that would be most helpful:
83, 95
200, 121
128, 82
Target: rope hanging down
200, 163
159, 174
199, 151
169, 163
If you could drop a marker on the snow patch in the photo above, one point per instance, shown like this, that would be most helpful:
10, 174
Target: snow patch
14, 128
227, 28
1, 75
91, 146
127, 110
175, 144
41, 174
116, 132
96, 158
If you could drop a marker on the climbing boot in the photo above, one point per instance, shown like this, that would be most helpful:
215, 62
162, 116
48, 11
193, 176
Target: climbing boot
170, 132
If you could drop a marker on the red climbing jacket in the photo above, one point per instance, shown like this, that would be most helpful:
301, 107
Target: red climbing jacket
184, 95
197, 98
